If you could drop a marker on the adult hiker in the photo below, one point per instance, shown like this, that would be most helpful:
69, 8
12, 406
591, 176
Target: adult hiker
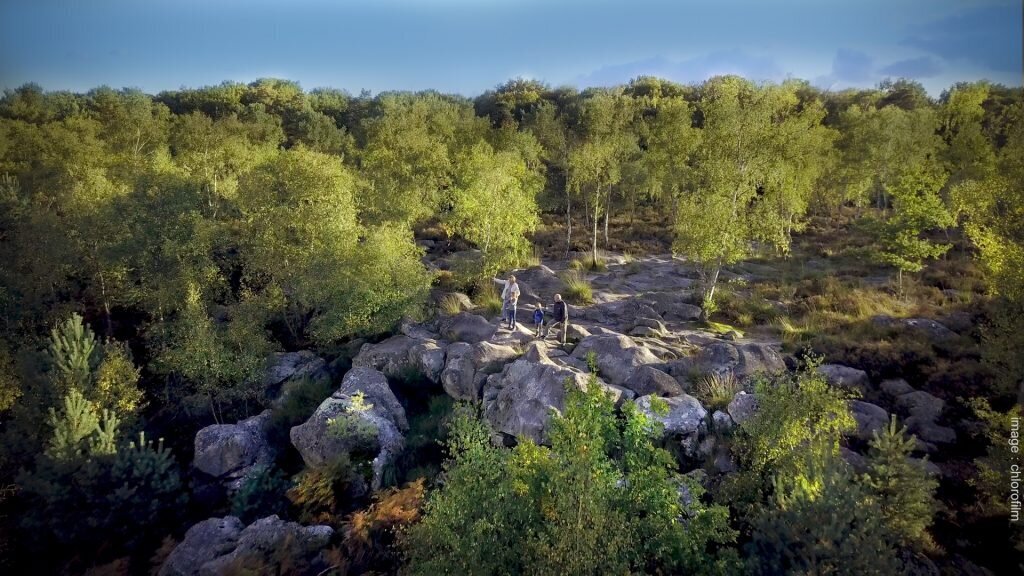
509, 300
559, 315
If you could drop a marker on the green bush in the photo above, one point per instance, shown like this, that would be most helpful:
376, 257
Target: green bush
716, 390
323, 494
300, 400
601, 499
261, 494
821, 523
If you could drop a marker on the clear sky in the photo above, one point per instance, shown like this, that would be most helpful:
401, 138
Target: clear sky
469, 46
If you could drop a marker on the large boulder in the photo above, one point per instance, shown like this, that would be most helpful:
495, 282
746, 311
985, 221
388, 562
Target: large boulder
229, 452
743, 360
672, 306
466, 327
742, 407
270, 545
844, 376
203, 543
933, 330
457, 376
685, 414
618, 356
921, 405
285, 366
344, 424
489, 358
427, 357
519, 400
649, 380
870, 419
389, 356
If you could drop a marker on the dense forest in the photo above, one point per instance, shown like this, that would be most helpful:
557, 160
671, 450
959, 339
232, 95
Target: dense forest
162, 255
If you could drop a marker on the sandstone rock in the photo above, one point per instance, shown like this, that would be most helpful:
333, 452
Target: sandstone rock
921, 405
844, 376
466, 327
390, 356
376, 428
857, 462
427, 356
520, 399
743, 360
685, 414
203, 542
228, 452
896, 388
457, 376
933, 330
292, 365
270, 542
489, 358
672, 306
742, 407
618, 356
649, 380
722, 421
870, 419
576, 332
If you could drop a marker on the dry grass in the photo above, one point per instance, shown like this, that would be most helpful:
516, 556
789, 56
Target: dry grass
716, 390
577, 288
487, 297
449, 305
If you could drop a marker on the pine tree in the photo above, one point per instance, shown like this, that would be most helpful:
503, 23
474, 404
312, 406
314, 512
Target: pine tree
73, 350
904, 488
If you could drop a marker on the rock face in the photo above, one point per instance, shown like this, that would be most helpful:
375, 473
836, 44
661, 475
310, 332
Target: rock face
219, 545
743, 360
402, 356
466, 327
229, 452
870, 419
286, 366
844, 376
649, 380
519, 400
685, 414
672, 306
468, 367
375, 425
618, 356
203, 543
742, 407
933, 330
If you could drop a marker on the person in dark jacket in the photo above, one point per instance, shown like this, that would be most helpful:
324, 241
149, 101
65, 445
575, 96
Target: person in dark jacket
559, 315
538, 321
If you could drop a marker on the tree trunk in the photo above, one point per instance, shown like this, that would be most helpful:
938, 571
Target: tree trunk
597, 204
606, 209
568, 220
709, 290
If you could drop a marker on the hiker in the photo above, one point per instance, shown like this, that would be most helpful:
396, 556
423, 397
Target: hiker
538, 321
560, 315
509, 299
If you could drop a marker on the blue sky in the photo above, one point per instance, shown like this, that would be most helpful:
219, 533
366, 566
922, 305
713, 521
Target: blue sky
469, 46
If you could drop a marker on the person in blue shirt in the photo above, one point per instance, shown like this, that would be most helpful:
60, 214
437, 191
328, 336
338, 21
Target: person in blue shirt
538, 321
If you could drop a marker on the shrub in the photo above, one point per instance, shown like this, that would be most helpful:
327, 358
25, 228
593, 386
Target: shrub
717, 389
262, 494
577, 288
601, 499
370, 535
298, 403
821, 523
903, 488
323, 493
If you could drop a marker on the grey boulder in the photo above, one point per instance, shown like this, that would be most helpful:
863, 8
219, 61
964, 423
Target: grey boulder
228, 452
618, 356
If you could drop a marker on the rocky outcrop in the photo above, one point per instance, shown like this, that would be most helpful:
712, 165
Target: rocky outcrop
390, 356
229, 452
204, 542
221, 545
742, 407
933, 330
685, 422
672, 306
468, 367
844, 376
344, 424
870, 419
428, 356
618, 356
519, 400
743, 360
466, 327
649, 380
286, 366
